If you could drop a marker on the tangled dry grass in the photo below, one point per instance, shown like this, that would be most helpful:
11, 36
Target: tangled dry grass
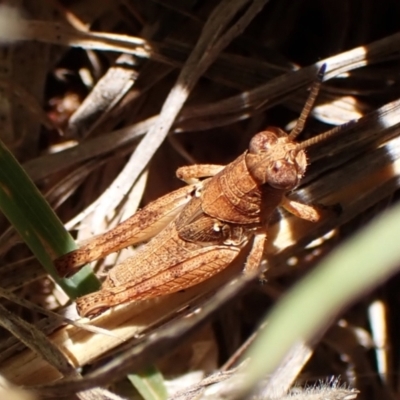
102, 101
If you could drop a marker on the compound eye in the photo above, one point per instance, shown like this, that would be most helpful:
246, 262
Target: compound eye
262, 142
282, 175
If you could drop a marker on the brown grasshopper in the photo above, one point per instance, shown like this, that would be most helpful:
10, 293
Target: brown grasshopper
198, 230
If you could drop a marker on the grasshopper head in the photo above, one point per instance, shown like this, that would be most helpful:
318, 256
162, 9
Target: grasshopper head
275, 159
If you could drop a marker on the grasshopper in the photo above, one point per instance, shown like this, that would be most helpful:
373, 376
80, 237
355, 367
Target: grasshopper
196, 231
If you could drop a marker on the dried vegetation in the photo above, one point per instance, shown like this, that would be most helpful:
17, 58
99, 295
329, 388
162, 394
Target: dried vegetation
101, 101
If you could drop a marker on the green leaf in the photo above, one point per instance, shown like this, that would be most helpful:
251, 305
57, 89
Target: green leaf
150, 384
38, 225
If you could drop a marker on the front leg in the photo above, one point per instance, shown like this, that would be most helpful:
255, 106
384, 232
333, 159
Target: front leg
252, 266
192, 173
301, 210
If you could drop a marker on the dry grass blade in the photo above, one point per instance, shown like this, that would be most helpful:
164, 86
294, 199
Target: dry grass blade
58, 319
109, 90
37, 342
12, 392
274, 90
62, 34
201, 57
150, 346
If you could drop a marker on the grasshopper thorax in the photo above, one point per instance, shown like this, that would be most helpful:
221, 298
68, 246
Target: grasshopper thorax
275, 159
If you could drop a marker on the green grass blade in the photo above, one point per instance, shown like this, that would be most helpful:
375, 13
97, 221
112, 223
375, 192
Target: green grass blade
150, 384
38, 225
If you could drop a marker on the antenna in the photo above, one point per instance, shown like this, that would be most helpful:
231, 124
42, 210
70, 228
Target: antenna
322, 136
309, 104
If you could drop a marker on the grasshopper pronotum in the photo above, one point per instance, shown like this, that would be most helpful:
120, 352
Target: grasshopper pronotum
198, 230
